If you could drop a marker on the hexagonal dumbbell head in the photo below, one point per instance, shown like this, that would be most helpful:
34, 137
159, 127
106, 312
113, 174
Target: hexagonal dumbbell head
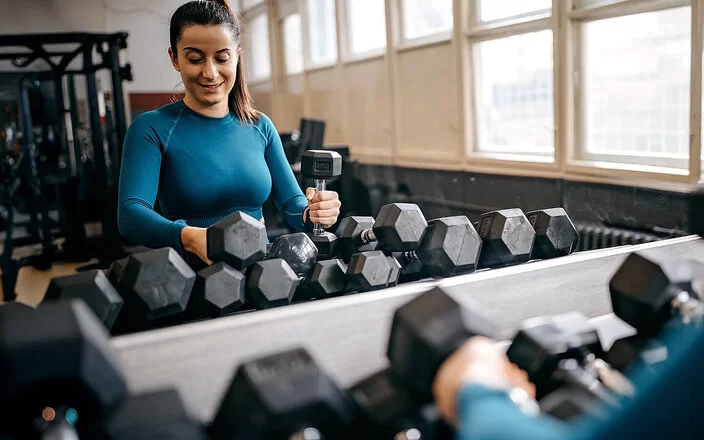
450, 246
279, 395
297, 249
155, 284
625, 351
57, 355
646, 289
368, 271
116, 270
238, 240
426, 331
349, 236
555, 234
321, 164
157, 414
219, 289
396, 269
326, 243
543, 342
271, 283
94, 288
399, 227
507, 238
328, 278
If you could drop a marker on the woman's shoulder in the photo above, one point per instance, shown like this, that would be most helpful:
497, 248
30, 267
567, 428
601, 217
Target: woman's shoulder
161, 117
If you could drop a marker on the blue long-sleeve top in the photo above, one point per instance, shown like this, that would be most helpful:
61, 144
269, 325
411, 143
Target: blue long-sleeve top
200, 169
666, 406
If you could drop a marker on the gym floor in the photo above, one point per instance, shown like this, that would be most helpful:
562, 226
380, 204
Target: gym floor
32, 283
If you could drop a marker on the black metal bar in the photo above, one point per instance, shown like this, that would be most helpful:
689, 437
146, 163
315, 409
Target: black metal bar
29, 164
58, 38
77, 148
61, 113
96, 134
117, 99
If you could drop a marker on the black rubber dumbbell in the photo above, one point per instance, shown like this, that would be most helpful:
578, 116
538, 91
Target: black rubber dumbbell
238, 240
281, 396
566, 351
322, 165
157, 414
649, 291
56, 359
555, 234
508, 238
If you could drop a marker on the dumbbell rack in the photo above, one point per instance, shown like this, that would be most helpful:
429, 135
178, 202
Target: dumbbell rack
348, 335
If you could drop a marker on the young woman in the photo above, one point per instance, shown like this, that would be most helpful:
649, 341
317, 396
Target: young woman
211, 153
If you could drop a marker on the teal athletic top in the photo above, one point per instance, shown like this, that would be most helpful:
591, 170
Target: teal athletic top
200, 169
666, 405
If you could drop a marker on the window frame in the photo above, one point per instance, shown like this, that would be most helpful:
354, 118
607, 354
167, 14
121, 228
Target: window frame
402, 43
281, 23
477, 32
349, 56
634, 167
308, 64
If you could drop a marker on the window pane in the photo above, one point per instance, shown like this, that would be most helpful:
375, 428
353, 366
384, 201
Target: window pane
293, 44
261, 63
322, 31
636, 87
491, 10
515, 94
367, 25
426, 17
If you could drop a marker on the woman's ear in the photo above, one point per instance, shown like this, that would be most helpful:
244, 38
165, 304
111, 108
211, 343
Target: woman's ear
174, 60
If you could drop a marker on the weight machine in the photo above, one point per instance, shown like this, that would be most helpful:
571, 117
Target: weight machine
94, 163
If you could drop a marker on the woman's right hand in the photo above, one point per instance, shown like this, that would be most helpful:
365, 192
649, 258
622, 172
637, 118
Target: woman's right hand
195, 240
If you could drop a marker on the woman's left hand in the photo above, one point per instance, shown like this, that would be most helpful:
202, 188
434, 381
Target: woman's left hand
323, 206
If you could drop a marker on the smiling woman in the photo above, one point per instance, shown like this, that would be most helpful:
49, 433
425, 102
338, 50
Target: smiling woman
210, 154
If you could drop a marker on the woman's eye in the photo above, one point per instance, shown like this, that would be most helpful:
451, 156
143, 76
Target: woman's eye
223, 60
194, 60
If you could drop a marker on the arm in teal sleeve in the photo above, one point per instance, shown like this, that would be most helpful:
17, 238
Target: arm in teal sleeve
486, 414
139, 182
288, 197
666, 405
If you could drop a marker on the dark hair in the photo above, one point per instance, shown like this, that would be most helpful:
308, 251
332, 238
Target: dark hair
214, 13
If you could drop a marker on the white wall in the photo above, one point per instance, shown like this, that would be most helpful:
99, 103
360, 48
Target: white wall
147, 23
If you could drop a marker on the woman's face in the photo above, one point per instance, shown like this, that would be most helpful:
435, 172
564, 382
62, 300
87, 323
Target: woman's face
207, 60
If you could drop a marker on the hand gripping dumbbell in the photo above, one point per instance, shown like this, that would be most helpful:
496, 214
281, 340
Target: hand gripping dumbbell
424, 333
651, 290
322, 165
565, 351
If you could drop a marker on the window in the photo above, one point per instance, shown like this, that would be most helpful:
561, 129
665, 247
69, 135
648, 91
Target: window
367, 25
293, 44
259, 47
491, 10
322, 32
425, 17
635, 90
514, 94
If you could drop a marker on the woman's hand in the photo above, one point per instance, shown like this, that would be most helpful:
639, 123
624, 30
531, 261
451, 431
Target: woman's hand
479, 361
323, 206
195, 240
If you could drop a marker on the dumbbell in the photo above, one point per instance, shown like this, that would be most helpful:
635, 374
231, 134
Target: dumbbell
511, 237
442, 247
158, 414
238, 240
56, 359
649, 291
322, 165
565, 350
416, 349
283, 396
